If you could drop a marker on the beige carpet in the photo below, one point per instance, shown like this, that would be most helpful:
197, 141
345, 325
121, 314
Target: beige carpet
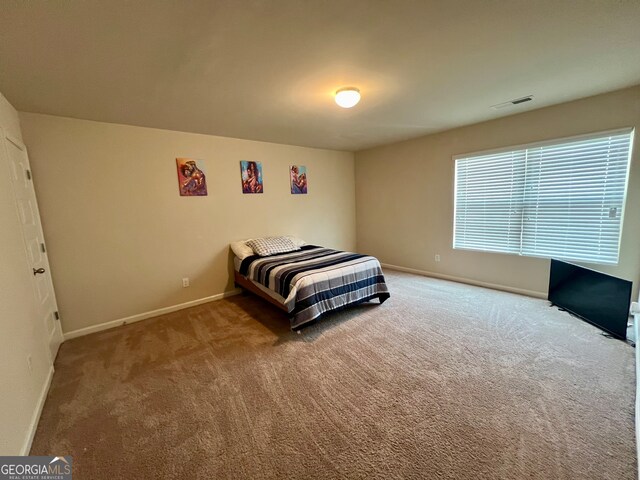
442, 381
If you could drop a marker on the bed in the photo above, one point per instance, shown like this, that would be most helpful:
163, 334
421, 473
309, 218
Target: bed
310, 280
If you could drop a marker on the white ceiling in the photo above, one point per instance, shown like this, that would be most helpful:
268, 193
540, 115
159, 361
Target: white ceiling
267, 69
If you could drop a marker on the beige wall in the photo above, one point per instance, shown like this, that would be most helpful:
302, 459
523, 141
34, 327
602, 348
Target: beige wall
121, 238
22, 334
404, 193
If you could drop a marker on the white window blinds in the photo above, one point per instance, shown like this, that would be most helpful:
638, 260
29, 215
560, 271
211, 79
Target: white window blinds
561, 199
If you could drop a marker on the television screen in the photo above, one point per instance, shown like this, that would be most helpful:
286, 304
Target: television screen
596, 297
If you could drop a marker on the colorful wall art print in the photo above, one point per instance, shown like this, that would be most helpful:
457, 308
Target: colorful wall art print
298, 175
191, 178
251, 177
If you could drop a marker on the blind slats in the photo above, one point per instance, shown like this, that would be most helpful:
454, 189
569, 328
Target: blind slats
561, 200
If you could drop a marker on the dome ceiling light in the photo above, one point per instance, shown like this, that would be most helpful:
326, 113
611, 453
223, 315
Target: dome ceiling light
348, 97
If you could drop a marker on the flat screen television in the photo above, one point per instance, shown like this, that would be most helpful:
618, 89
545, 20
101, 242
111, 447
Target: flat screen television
596, 297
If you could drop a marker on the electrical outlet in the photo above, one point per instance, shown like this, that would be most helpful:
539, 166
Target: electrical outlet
185, 282
437, 257
635, 308
30, 363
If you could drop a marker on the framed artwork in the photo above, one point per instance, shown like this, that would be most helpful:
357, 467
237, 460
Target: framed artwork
251, 176
191, 178
298, 176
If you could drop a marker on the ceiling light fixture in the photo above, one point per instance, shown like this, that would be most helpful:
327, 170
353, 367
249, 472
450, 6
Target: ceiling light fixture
348, 97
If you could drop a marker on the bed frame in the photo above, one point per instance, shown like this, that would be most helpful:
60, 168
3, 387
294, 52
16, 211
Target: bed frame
245, 283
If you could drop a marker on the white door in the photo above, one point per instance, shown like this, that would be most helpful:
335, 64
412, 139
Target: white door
29, 216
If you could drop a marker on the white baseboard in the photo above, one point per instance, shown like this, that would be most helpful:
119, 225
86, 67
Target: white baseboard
494, 286
35, 418
636, 319
143, 316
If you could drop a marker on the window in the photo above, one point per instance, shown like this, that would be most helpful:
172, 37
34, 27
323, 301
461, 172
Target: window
561, 199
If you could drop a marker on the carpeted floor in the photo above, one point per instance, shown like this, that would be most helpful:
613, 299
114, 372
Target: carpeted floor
442, 381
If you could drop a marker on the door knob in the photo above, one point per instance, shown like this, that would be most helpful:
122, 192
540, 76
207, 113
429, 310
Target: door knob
37, 271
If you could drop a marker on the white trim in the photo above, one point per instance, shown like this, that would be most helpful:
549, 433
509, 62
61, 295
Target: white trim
33, 426
494, 286
16, 141
636, 319
143, 316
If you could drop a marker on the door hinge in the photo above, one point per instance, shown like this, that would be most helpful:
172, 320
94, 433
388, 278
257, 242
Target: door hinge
57, 315
42, 248
28, 174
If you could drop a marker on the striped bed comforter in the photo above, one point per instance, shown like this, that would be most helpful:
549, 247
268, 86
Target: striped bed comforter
318, 279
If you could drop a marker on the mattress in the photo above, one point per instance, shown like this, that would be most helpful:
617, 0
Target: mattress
315, 280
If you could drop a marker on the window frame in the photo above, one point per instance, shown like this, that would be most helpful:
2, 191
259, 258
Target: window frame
543, 143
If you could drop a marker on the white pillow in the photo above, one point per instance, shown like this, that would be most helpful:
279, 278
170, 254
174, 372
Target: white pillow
298, 242
241, 249
272, 245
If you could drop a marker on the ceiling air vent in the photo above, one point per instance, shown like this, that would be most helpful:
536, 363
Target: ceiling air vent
511, 103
